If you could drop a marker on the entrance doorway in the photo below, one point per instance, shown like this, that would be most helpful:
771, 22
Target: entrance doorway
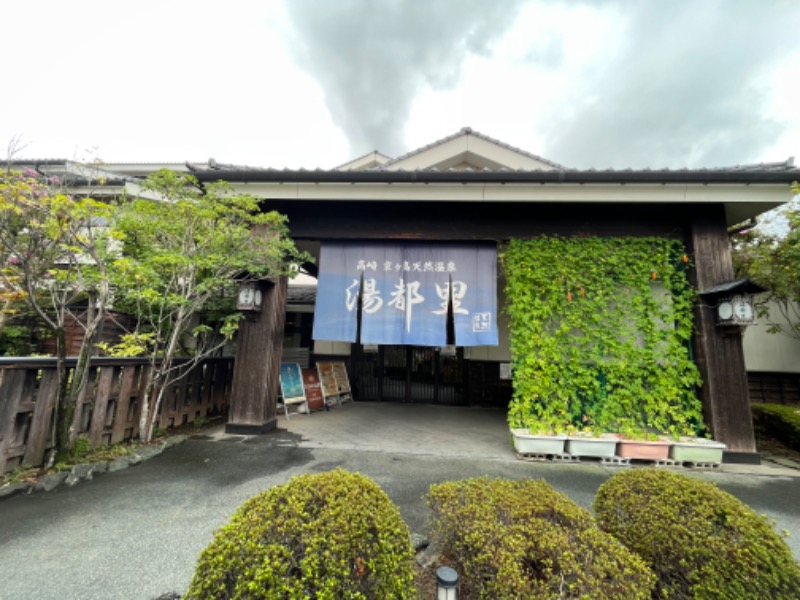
410, 374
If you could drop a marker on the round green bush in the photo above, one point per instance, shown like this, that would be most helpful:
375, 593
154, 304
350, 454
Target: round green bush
329, 536
522, 539
700, 541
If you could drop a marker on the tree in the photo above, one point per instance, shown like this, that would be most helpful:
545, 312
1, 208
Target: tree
184, 245
53, 254
770, 255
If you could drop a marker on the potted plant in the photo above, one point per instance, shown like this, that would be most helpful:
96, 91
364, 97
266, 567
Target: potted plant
591, 444
697, 450
526, 442
538, 427
644, 449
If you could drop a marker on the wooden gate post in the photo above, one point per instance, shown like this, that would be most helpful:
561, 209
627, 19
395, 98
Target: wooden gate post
718, 351
256, 370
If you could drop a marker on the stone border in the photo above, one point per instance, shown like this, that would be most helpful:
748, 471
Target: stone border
87, 471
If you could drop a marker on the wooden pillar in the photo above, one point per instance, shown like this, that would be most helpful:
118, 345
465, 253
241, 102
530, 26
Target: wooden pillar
718, 350
256, 370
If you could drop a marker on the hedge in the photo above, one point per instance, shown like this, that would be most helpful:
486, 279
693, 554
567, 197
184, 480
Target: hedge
700, 541
328, 536
522, 539
779, 422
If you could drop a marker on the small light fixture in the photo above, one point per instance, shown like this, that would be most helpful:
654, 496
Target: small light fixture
446, 584
733, 301
736, 310
249, 297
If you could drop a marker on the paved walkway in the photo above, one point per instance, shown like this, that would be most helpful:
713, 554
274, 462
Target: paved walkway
137, 533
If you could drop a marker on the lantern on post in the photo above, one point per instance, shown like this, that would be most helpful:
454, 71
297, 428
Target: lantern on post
249, 297
733, 301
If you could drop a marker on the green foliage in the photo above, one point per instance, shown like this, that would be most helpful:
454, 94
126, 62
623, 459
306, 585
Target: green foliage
600, 336
19, 474
522, 539
183, 245
771, 257
16, 340
53, 256
328, 536
80, 448
137, 343
779, 422
700, 541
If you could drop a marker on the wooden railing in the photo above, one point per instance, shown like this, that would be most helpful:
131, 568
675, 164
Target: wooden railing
109, 410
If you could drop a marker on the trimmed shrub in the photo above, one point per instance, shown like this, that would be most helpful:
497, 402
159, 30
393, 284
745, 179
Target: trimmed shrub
779, 422
522, 539
329, 536
700, 541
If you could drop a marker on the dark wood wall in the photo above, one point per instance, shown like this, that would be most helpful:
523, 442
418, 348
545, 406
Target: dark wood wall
476, 221
702, 227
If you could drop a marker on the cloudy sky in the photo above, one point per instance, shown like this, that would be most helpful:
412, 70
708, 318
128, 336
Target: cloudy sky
314, 83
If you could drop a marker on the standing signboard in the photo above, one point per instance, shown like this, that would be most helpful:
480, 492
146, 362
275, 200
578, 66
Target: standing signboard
313, 386
330, 390
292, 388
342, 382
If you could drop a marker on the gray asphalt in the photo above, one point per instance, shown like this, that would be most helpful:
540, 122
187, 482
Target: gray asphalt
137, 533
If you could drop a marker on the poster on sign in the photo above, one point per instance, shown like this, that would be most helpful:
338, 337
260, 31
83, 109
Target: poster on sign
328, 381
292, 388
313, 386
342, 382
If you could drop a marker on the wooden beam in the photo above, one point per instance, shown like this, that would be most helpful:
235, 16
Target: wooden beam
718, 350
256, 370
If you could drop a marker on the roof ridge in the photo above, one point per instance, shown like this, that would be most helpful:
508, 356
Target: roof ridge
786, 165
365, 155
470, 131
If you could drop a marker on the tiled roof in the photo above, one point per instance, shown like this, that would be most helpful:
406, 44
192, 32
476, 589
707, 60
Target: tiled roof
302, 294
742, 286
784, 172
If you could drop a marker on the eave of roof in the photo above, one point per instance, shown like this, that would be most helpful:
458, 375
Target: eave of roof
734, 175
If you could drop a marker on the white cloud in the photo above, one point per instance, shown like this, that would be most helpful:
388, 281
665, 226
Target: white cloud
586, 84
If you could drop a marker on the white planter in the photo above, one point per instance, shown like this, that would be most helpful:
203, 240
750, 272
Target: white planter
526, 442
604, 446
697, 450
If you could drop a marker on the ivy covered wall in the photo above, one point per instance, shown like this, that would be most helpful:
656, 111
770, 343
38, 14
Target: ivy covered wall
600, 336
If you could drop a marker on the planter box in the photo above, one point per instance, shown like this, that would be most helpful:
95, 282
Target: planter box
526, 442
643, 449
697, 450
602, 447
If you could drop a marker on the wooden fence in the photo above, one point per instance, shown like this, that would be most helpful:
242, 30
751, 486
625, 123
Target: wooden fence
774, 388
109, 410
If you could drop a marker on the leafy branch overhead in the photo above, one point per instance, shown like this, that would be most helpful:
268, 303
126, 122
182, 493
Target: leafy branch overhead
169, 256
54, 257
600, 336
770, 256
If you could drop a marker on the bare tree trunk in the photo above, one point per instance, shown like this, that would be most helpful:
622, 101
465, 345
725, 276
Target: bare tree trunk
160, 380
145, 418
63, 417
65, 435
4, 314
